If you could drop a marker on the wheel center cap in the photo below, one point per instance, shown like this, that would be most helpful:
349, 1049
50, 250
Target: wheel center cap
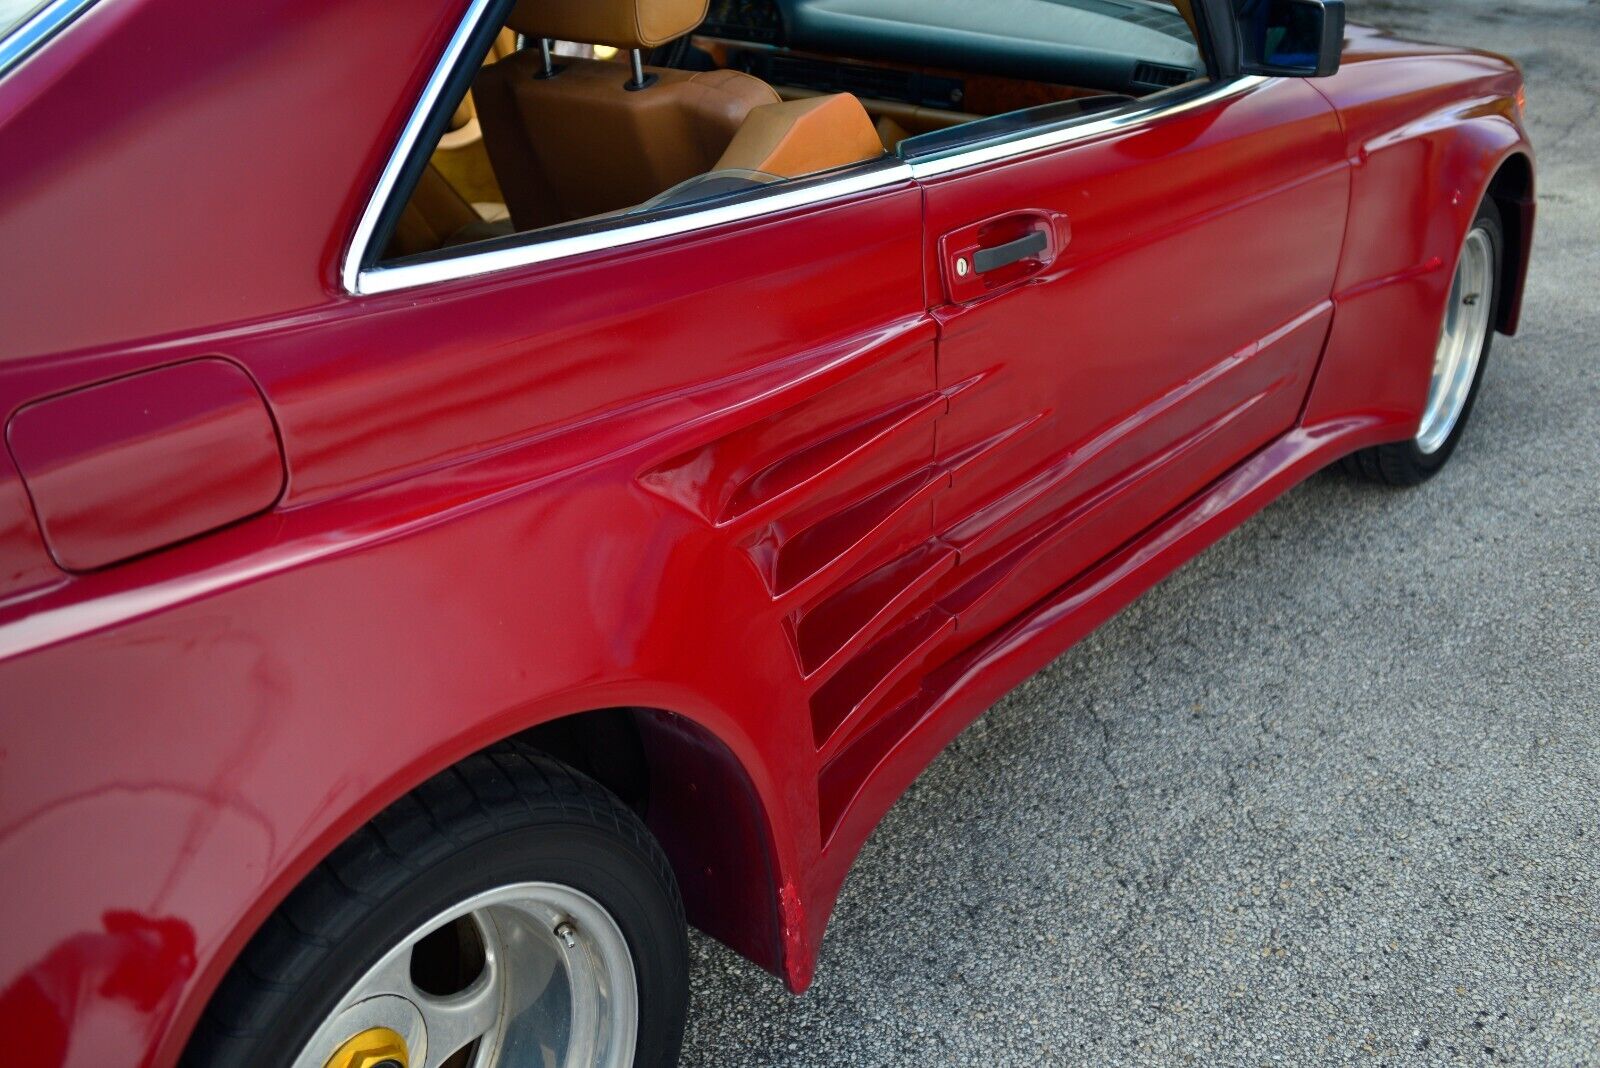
376, 1047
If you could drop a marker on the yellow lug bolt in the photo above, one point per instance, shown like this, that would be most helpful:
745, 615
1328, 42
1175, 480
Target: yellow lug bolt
376, 1047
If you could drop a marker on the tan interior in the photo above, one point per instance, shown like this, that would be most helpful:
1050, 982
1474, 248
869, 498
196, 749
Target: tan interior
895, 119
464, 121
890, 133
460, 155
581, 143
800, 137
985, 94
624, 24
438, 216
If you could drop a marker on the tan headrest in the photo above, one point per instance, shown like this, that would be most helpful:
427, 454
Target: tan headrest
803, 136
618, 23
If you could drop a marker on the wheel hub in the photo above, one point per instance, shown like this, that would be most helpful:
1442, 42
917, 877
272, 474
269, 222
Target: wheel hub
376, 1047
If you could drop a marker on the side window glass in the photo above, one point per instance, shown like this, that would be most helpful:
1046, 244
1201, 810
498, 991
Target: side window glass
581, 118
558, 136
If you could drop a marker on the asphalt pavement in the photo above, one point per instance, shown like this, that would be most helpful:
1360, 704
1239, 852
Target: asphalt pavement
1329, 795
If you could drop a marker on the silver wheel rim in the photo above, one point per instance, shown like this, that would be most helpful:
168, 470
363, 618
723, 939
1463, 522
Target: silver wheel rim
545, 978
1466, 325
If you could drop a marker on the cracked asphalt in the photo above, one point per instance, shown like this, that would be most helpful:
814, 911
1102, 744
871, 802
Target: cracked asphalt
1329, 795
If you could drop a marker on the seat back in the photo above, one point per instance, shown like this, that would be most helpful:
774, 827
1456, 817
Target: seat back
581, 144
434, 214
800, 137
586, 140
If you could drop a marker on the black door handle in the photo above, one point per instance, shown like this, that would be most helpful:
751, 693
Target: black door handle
1028, 245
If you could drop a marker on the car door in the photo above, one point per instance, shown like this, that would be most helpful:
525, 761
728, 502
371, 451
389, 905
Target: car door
1127, 307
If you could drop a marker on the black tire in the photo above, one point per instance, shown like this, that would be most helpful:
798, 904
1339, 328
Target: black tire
503, 816
1403, 463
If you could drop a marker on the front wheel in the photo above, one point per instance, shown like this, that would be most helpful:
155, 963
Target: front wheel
1458, 363
508, 912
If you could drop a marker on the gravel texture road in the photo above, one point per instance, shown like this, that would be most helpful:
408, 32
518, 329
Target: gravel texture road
1329, 795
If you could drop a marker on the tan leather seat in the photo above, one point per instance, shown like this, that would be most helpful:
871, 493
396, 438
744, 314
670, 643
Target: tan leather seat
800, 137
437, 216
582, 142
779, 141
891, 133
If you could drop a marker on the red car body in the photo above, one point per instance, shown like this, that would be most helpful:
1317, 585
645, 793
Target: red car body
780, 486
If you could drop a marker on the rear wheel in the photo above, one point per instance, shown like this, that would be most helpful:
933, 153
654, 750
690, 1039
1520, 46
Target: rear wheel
1465, 337
508, 912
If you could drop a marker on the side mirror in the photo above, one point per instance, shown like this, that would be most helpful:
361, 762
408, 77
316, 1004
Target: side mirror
1290, 38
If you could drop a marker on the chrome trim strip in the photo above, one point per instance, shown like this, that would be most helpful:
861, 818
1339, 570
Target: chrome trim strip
389, 279
1074, 132
350, 273
36, 30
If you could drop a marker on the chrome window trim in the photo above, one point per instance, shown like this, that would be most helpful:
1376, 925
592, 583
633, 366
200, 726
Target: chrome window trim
360, 281
1024, 143
366, 281
381, 279
350, 273
36, 30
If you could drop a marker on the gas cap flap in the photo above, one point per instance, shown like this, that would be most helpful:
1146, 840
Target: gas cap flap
142, 462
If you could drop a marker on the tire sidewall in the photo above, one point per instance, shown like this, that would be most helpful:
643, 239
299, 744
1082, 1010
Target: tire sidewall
572, 855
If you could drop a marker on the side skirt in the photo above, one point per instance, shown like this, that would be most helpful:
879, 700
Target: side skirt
957, 693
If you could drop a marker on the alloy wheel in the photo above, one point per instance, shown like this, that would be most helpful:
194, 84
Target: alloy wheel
1461, 341
532, 973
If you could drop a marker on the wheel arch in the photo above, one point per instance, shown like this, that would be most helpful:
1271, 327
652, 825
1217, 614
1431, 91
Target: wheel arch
701, 803
1512, 189
1418, 180
694, 787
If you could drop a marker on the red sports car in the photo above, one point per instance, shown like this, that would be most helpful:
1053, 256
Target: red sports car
487, 482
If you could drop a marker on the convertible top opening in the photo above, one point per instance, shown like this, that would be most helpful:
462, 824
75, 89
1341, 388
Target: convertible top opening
570, 124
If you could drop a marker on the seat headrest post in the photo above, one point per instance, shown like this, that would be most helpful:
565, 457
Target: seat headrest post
640, 79
549, 64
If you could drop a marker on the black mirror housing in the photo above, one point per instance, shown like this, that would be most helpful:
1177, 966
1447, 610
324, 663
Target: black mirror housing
1290, 38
